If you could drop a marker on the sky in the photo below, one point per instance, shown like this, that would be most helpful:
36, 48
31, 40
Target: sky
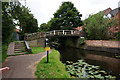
43, 10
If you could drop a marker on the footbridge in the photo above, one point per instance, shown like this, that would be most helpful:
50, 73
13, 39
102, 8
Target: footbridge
38, 38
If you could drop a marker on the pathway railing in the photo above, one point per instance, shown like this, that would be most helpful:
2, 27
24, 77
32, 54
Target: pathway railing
61, 32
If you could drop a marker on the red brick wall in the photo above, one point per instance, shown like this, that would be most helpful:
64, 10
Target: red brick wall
103, 43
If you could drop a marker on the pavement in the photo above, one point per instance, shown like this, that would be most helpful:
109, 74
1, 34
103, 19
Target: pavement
22, 66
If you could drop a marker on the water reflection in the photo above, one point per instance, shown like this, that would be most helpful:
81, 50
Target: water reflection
103, 59
110, 63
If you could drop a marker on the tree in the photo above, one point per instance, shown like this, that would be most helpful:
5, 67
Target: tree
54, 24
15, 11
7, 23
66, 17
43, 27
27, 22
98, 27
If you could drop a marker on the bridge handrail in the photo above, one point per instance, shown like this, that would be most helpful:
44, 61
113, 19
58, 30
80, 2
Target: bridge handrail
60, 30
28, 49
57, 32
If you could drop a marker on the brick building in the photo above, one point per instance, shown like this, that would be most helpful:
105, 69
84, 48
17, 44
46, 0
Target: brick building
109, 13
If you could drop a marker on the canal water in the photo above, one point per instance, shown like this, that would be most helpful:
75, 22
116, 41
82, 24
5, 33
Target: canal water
105, 60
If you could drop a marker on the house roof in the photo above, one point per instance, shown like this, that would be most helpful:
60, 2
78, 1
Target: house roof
114, 12
104, 11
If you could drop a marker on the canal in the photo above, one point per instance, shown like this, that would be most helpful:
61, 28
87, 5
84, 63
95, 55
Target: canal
105, 60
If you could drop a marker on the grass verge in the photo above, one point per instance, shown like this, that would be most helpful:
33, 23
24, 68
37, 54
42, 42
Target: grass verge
36, 50
54, 69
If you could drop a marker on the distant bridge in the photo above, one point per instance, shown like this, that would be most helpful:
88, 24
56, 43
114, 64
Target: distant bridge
38, 38
55, 33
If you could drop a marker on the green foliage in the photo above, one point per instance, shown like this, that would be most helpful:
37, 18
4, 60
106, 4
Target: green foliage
54, 24
53, 69
7, 23
16, 12
66, 17
43, 28
98, 27
26, 20
4, 52
81, 41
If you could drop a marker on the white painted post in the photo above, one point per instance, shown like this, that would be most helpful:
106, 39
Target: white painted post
63, 31
71, 31
54, 32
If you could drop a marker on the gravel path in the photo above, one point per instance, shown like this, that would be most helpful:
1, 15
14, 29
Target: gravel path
22, 66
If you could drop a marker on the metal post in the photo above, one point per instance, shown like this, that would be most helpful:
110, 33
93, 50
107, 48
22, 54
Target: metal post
47, 56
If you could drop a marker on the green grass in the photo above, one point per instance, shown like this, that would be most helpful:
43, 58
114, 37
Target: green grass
36, 50
54, 69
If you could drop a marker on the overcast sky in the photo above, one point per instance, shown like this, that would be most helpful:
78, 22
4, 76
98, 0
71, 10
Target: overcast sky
43, 10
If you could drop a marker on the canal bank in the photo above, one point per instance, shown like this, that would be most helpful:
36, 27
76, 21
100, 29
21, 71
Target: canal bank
103, 45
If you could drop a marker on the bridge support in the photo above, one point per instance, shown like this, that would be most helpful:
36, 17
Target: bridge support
69, 41
75, 42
